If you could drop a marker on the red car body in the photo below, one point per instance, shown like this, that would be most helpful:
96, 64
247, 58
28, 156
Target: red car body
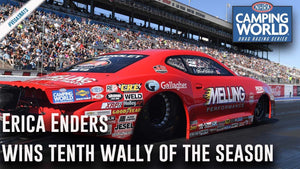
211, 101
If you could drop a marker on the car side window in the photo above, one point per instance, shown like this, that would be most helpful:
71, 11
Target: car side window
177, 63
203, 66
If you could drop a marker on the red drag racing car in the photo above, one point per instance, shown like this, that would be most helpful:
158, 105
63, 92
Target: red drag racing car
153, 94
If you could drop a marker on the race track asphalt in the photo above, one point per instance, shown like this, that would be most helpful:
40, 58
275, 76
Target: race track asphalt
282, 131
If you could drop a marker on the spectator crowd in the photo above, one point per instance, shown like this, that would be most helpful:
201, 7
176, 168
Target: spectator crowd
53, 42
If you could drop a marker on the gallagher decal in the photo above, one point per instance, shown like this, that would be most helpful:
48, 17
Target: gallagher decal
224, 95
262, 22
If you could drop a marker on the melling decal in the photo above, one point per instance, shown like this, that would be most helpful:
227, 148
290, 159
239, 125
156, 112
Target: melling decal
262, 22
224, 95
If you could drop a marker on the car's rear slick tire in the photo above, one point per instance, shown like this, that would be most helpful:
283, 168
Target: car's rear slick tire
160, 118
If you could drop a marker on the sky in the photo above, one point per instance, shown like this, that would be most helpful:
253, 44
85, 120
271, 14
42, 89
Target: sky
286, 54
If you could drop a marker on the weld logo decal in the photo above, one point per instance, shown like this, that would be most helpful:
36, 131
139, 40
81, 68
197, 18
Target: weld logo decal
63, 96
82, 94
130, 87
222, 95
133, 96
262, 22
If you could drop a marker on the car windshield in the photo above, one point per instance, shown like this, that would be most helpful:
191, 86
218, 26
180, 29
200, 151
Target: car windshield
105, 63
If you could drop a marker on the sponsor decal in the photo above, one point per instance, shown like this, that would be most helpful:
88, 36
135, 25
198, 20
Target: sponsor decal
242, 124
98, 112
111, 119
122, 134
224, 107
227, 127
97, 89
262, 22
203, 132
227, 121
172, 85
214, 123
234, 125
221, 123
127, 118
133, 96
194, 122
259, 89
239, 119
201, 126
130, 87
212, 130
222, 95
208, 125
152, 85
109, 131
97, 96
220, 128
114, 96
250, 118
198, 133
133, 103
246, 122
111, 105
111, 88
160, 69
82, 94
63, 96
124, 126
193, 127
127, 111
77, 80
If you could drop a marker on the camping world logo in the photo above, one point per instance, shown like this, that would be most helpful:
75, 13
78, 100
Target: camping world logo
262, 22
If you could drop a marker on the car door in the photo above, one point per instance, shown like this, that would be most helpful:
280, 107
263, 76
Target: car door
216, 91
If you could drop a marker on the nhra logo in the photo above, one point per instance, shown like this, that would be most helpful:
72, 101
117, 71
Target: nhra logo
222, 95
262, 22
262, 7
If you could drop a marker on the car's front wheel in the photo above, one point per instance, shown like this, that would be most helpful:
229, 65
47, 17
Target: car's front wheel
261, 109
161, 118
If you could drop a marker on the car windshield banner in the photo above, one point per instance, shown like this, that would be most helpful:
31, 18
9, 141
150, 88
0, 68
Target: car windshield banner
262, 22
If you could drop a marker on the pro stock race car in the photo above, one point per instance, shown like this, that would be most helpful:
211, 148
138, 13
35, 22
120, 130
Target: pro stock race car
152, 94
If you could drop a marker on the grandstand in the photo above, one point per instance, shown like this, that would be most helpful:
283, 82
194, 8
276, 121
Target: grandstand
60, 34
